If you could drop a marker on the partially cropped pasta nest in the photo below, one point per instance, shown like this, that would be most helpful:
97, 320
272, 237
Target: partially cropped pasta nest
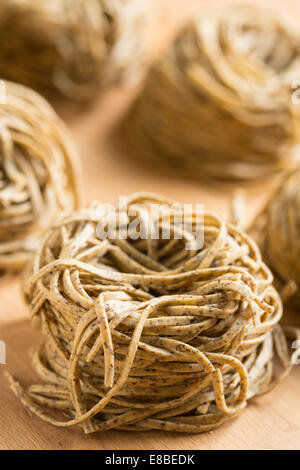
218, 104
38, 172
71, 48
280, 237
151, 333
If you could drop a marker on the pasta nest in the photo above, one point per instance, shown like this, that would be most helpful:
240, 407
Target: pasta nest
282, 230
218, 104
70, 50
38, 172
143, 334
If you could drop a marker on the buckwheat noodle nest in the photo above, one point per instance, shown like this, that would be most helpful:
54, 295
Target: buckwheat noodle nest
38, 172
70, 49
146, 334
280, 230
218, 103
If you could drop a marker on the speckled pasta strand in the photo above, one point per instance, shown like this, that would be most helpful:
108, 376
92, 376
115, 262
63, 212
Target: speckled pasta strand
218, 103
145, 334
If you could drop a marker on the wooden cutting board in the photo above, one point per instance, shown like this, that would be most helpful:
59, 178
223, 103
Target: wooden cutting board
270, 422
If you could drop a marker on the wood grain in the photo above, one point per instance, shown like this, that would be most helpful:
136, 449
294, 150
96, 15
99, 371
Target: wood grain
270, 422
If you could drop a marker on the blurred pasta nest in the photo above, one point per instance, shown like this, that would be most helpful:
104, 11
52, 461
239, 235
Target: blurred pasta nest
38, 172
218, 103
146, 334
281, 233
70, 49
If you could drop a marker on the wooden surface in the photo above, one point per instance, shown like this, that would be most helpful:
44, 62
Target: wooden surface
270, 422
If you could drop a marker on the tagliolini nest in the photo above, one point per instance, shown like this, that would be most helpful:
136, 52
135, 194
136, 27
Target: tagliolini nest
147, 334
71, 49
38, 172
219, 102
281, 232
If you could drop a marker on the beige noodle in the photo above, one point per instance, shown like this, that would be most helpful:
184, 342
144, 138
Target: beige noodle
218, 104
71, 49
145, 334
38, 172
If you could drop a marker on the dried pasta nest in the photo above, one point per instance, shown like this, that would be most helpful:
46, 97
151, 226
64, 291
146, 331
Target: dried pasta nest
67, 49
281, 230
218, 104
38, 172
143, 334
